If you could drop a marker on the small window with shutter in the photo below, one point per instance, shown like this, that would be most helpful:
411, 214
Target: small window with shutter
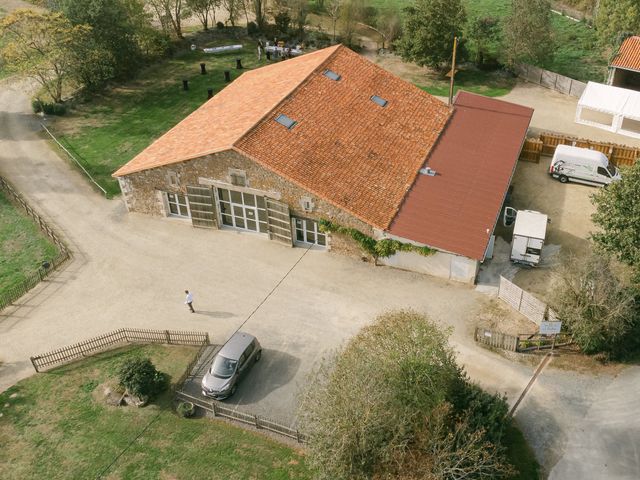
238, 177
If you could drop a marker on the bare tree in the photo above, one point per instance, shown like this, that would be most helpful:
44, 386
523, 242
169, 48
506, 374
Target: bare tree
170, 14
260, 11
333, 11
203, 9
351, 13
233, 8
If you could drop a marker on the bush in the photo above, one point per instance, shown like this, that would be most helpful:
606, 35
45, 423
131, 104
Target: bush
48, 108
252, 28
140, 377
219, 25
186, 409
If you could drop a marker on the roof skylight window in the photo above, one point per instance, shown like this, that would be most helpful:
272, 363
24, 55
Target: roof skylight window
332, 75
282, 119
379, 100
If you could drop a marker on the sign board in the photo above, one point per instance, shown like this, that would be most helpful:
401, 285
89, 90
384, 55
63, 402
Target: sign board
550, 328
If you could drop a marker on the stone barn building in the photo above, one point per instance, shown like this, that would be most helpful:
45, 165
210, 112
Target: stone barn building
330, 136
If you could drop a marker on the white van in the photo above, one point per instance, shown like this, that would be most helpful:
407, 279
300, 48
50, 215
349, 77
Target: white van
529, 232
582, 165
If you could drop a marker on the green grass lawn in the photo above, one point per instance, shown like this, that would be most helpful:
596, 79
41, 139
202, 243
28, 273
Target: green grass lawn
23, 247
111, 129
490, 84
55, 425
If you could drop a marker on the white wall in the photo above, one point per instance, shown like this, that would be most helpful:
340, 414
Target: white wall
440, 264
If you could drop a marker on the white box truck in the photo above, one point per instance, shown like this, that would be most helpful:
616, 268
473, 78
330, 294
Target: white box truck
529, 233
582, 165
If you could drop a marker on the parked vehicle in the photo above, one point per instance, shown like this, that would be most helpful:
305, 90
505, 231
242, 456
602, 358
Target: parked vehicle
529, 232
582, 165
231, 363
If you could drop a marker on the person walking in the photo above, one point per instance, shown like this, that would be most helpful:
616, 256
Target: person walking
189, 301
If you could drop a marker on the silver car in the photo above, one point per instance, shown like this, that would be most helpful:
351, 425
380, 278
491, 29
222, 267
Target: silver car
230, 364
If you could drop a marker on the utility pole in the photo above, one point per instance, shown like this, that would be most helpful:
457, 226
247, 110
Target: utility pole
453, 69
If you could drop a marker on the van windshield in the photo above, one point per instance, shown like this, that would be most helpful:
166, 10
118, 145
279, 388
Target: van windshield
223, 367
612, 170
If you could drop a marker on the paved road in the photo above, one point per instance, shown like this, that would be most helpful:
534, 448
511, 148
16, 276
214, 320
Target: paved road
130, 270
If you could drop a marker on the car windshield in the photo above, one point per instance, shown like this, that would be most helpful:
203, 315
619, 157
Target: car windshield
223, 367
612, 170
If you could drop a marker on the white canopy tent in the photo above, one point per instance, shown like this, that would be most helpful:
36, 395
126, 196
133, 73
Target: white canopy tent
610, 108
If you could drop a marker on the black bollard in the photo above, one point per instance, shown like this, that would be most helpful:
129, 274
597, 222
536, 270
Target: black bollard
203, 69
268, 55
209, 92
227, 76
239, 63
185, 84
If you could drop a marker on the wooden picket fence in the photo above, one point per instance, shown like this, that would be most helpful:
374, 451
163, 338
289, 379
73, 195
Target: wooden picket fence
115, 339
523, 342
220, 410
547, 142
17, 291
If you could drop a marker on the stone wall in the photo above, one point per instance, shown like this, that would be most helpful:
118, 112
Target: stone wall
142, 191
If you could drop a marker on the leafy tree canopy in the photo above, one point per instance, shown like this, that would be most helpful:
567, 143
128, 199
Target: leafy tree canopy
527, 32
430, 26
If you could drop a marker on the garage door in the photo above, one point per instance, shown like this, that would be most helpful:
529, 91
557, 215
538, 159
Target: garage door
201, 204
279, 221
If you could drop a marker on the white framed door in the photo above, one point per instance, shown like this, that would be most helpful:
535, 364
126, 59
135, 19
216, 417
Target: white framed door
307, 232
244, 211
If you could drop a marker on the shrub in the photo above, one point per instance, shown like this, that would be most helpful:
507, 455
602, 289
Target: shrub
140, 377
186, 409
219, 25
252, 28
48, 108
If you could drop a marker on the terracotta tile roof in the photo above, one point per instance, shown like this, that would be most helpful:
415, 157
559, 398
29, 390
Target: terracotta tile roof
221, 121
628, 56
345, 148
457, 209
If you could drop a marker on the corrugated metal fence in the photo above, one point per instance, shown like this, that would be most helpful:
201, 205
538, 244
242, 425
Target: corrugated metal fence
551, 80
532, 308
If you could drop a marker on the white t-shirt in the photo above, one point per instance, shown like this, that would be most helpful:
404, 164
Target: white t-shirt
189, 298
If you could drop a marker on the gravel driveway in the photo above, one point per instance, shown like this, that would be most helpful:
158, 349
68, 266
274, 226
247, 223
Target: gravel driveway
131, 270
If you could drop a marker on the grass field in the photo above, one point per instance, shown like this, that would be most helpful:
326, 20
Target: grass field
55, 425
110, 130
476, 81
22, 246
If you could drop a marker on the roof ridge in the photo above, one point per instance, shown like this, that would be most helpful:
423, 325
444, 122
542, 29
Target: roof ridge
338, 47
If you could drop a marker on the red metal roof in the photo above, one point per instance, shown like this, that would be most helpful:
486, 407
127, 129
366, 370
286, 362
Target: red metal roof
628, 56
456, 210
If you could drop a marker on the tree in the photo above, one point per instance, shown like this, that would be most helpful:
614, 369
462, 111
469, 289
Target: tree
618, 216
595, 303
203, 9
233, 10
367, 407
299, 12
41, 45
430, 26
388, 22
259, 8
170, 14
121, 27
484, 36
334, 8
527, 32
351, 12
616, 16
